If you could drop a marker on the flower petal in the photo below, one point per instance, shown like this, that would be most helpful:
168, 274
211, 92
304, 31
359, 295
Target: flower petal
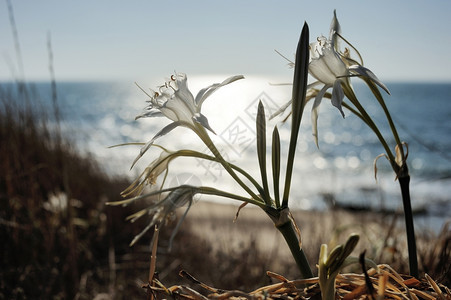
178, 109
162, 132
206, 92
334, 29
334, 63
202, 120
315, 110
328, 67
337, 96
362, 71
149, 114
288, 104
281, 109
319, 70
182, 93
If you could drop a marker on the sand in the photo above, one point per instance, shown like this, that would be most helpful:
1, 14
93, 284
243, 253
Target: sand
214, 223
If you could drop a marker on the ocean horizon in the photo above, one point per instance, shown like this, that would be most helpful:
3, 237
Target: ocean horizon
98, 115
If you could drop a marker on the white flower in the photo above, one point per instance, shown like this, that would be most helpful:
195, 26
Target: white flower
333, 68
328, 68
175, 101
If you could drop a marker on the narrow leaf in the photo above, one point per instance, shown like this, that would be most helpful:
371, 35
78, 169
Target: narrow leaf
276, 164
350, 244
299, 99
213, 191
261, 149
334, 254
347, 249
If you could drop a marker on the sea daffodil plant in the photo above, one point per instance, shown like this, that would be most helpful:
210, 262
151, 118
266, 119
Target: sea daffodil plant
333, 67
175, 101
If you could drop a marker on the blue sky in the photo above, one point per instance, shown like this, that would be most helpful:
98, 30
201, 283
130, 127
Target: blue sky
135, 40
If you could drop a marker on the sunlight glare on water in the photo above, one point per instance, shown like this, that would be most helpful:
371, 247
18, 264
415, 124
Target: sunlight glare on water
98, 115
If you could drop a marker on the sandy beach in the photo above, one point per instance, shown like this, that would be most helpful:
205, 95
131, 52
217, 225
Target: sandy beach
214, 223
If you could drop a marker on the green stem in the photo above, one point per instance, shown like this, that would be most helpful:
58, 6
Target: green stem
291, 238
328, 289
191, 153
404, 181
381, 101
367, 119
401, 171
202, 133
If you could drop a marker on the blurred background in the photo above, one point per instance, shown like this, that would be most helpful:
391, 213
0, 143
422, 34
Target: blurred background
67, 78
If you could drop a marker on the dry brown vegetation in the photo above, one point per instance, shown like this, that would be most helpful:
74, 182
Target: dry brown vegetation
259, 247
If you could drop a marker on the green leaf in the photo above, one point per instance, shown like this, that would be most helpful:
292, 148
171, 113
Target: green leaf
334, 254
299, 100
350, 244
261, 150
276, 164
347, 249
213, 191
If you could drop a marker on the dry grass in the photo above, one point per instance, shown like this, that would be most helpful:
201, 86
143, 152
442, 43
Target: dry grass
55, 231
384, 283
382, 239
246, 249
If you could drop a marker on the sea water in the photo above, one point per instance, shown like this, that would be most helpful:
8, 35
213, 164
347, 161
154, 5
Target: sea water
97, 115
